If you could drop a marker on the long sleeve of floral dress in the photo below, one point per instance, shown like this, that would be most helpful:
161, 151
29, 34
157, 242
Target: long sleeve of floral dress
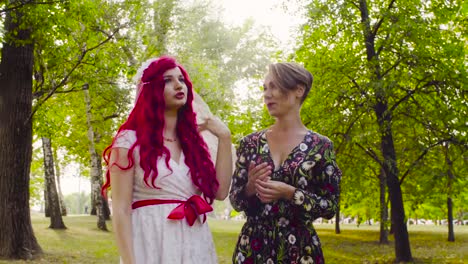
317, 189
239, 201
282, 231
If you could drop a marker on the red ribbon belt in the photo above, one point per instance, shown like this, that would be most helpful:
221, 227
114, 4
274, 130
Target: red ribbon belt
190, 209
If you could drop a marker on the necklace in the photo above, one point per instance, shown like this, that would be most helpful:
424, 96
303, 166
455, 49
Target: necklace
169, 139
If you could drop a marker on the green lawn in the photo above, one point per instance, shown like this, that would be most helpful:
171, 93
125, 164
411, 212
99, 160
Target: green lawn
83, 243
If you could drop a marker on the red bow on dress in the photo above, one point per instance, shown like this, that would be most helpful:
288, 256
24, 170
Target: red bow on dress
189, 209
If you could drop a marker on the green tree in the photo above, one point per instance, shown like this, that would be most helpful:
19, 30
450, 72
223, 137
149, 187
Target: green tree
83, 51
17, 239
380, 61
57, 30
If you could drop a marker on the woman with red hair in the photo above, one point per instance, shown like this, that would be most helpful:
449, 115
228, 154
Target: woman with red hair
163, 179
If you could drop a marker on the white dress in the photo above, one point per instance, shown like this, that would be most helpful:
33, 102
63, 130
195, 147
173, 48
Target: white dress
157, 239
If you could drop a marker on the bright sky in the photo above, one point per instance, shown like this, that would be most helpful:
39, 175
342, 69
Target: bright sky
271, 13
282, 19
75, 184
71, 182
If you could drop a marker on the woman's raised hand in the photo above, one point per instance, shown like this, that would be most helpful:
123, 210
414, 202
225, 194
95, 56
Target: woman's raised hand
216, 127
260, 172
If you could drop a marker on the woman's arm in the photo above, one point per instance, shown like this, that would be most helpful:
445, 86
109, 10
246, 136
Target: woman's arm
238, 195
242, 195
224, 165
320, 197
122, 191
223, 157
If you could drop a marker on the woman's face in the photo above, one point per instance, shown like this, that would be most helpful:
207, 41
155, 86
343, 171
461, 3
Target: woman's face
175, 89
278, 101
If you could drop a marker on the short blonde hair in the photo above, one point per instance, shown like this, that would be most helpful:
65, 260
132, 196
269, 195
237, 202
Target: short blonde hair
289, 75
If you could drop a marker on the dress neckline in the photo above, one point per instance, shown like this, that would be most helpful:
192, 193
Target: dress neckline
181, 159
293, 150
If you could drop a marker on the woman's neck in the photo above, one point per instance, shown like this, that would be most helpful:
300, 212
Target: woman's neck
170, 125
287, 123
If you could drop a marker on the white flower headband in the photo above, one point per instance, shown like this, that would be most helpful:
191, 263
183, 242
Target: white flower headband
143, 67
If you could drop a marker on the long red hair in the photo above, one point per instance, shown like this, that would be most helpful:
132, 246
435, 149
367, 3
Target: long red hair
147, 119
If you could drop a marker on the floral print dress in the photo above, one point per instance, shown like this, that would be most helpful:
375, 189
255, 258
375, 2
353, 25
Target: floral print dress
282, 231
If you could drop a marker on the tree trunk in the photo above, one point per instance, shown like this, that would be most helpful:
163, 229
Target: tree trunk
384, 120
383, 210
17, 240
93, 199
337, 219
402, 246
451, 233
96, 166
94, 196
56, 221
63, 206
105, 203
46, 201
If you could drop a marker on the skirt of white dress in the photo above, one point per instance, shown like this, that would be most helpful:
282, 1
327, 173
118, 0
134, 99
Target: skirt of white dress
158, 240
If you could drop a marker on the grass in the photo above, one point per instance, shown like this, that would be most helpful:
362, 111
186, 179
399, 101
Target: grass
83, 243
360, 245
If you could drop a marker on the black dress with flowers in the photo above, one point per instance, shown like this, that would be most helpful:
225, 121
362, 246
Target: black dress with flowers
282, 231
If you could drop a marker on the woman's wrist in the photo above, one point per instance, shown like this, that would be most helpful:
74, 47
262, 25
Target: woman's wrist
289, 192
249, 190
225, 136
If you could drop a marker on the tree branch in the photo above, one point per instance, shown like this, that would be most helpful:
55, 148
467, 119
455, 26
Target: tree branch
379, 50
28, 2
371, 153
354, 4
78, 63
362, 91
379, 23
353, 81
110, 117
425, 151
127, 51
411, 92
37, 95
406, 97
345, 135
392, 67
